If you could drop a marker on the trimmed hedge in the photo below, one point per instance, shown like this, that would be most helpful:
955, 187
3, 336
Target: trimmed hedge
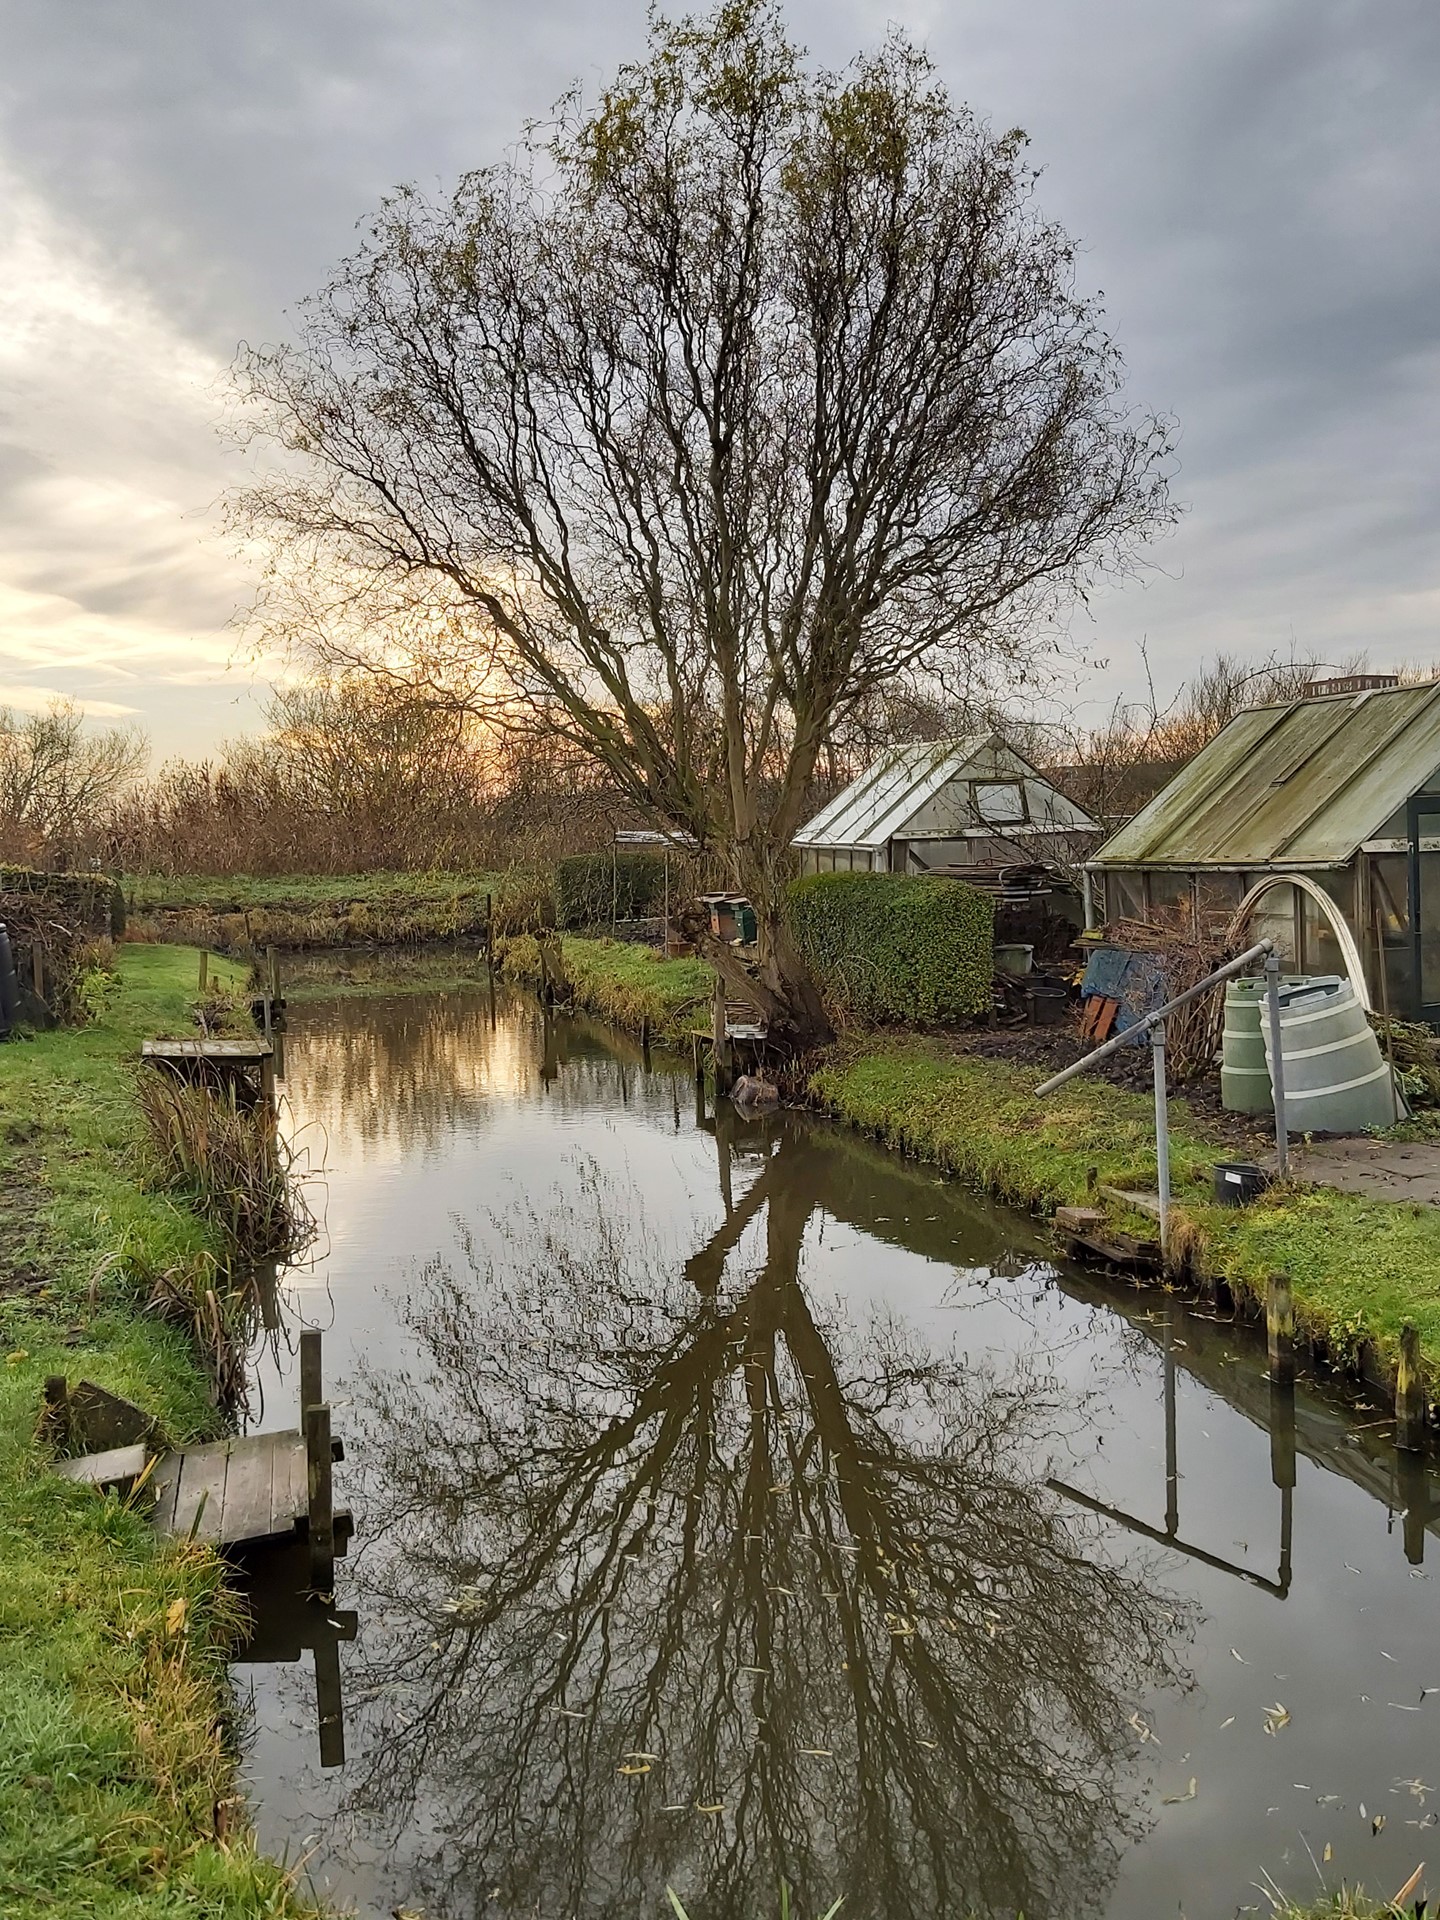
590, 888
891, 947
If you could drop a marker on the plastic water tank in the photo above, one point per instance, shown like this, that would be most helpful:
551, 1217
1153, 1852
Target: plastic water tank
1244, 1072
1336, 1080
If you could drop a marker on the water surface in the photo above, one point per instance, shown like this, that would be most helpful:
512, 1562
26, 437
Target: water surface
741, 1499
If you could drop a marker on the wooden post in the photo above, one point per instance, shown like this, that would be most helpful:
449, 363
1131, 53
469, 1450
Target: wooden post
311, 1393
1280, 1329
1410, 1407
490, 934
645, 1038
329, 1702
272, 973
267, 1078
319, 1463
724, 1078
204, 970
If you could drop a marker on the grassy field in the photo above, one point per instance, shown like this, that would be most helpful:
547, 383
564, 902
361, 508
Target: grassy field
1360, 1267
116, 1781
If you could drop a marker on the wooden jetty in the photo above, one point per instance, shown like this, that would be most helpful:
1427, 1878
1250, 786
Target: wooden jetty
224, 1062
250, 1490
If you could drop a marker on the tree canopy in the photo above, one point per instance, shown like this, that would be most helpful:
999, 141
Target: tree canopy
730, 400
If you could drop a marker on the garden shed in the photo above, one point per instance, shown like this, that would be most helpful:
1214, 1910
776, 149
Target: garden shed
1317, 821
963, 807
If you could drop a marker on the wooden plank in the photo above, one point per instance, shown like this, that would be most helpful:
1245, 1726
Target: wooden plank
290, 1494
248, 1510
200, 1499
166, 1482
245, 1052
117, 1467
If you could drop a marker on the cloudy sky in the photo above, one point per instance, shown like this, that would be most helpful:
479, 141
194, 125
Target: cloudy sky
1252, 181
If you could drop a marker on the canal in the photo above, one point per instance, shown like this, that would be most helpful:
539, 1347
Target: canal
737, 1499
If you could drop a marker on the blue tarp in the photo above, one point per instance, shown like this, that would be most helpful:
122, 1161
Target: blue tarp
1134, 979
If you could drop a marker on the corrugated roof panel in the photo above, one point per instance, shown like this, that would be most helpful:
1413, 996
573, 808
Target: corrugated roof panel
1303, 783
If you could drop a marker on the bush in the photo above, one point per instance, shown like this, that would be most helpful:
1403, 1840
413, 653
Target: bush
887, 947
591, 889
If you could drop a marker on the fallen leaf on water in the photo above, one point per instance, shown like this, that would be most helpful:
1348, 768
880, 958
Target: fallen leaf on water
1174, 1799
788, 1591
717, 1806
1227, 1723
642, 1756
1329, 1853
818, 1753
1401, 1707
1276, 1718
1235, 1654
1377, 1825
1144, 1731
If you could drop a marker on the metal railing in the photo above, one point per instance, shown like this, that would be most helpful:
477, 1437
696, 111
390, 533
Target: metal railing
1153, 1024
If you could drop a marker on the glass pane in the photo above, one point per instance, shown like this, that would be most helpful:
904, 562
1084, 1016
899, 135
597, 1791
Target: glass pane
999, 803
1125, 899
1390, 900
1273, 918
1430, 929
1321, 949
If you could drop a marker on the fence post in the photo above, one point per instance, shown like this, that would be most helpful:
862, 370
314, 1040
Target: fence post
1280, 1329
204, 970
311, 1393
1410, 1392
319, 1464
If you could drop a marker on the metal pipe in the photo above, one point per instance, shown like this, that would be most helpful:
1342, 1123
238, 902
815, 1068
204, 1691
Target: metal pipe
1162, 1137
1277, 1064
1131, 1035
1087, 894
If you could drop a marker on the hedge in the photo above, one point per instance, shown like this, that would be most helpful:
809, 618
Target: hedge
591, 889
889, 947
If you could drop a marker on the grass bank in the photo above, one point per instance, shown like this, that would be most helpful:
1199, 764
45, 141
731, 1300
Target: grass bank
629, 985
116, 1780
1361, 1267
243, 912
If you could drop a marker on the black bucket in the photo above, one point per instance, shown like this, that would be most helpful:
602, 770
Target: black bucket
1238, 1182
1047, 1006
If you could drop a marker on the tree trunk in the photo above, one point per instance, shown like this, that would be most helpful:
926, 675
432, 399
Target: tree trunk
782, 988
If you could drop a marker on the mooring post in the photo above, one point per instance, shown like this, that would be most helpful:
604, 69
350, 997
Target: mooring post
490, 935
1280, 1329
1162, 1137
1410, 1409
311, 1393
319, 1463
204, 970
724, 1076
329, 1701
1277, 1063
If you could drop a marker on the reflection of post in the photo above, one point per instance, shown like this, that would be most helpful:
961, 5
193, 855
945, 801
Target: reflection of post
721, 1043
1412, 1494
329, 1703
1282, 1468
311, 1393
724, 1123
1172, 1464
549, 1049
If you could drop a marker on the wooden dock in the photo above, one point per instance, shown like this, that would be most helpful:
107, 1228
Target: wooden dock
237, 1492
218, 1061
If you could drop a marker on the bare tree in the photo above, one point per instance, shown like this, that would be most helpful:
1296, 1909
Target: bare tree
722, 407
59, 780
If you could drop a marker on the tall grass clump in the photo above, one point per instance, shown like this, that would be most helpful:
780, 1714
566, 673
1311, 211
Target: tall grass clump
230, 1161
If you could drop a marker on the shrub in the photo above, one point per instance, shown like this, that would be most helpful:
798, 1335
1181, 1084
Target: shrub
591, 889
888, 947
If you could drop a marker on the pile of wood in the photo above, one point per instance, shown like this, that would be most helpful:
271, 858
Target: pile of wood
55, 922
1184, 952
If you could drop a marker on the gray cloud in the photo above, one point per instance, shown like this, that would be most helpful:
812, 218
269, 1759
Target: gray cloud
1251, 182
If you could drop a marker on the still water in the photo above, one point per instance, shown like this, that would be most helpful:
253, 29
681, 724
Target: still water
735, 1500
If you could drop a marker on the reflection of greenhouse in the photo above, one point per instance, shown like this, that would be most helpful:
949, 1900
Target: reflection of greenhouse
1324, 815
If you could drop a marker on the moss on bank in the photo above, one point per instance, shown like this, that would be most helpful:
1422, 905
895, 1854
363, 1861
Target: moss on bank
1361, 1267
116, 1784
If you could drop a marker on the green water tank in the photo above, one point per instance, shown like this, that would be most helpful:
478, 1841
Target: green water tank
1336, 1080
1244, 1071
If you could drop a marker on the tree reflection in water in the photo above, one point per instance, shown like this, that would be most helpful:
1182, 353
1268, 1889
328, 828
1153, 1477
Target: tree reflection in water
642, 1548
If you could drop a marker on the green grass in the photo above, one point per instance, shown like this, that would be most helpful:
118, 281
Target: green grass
1361, 1267
626, 984
116, 1785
